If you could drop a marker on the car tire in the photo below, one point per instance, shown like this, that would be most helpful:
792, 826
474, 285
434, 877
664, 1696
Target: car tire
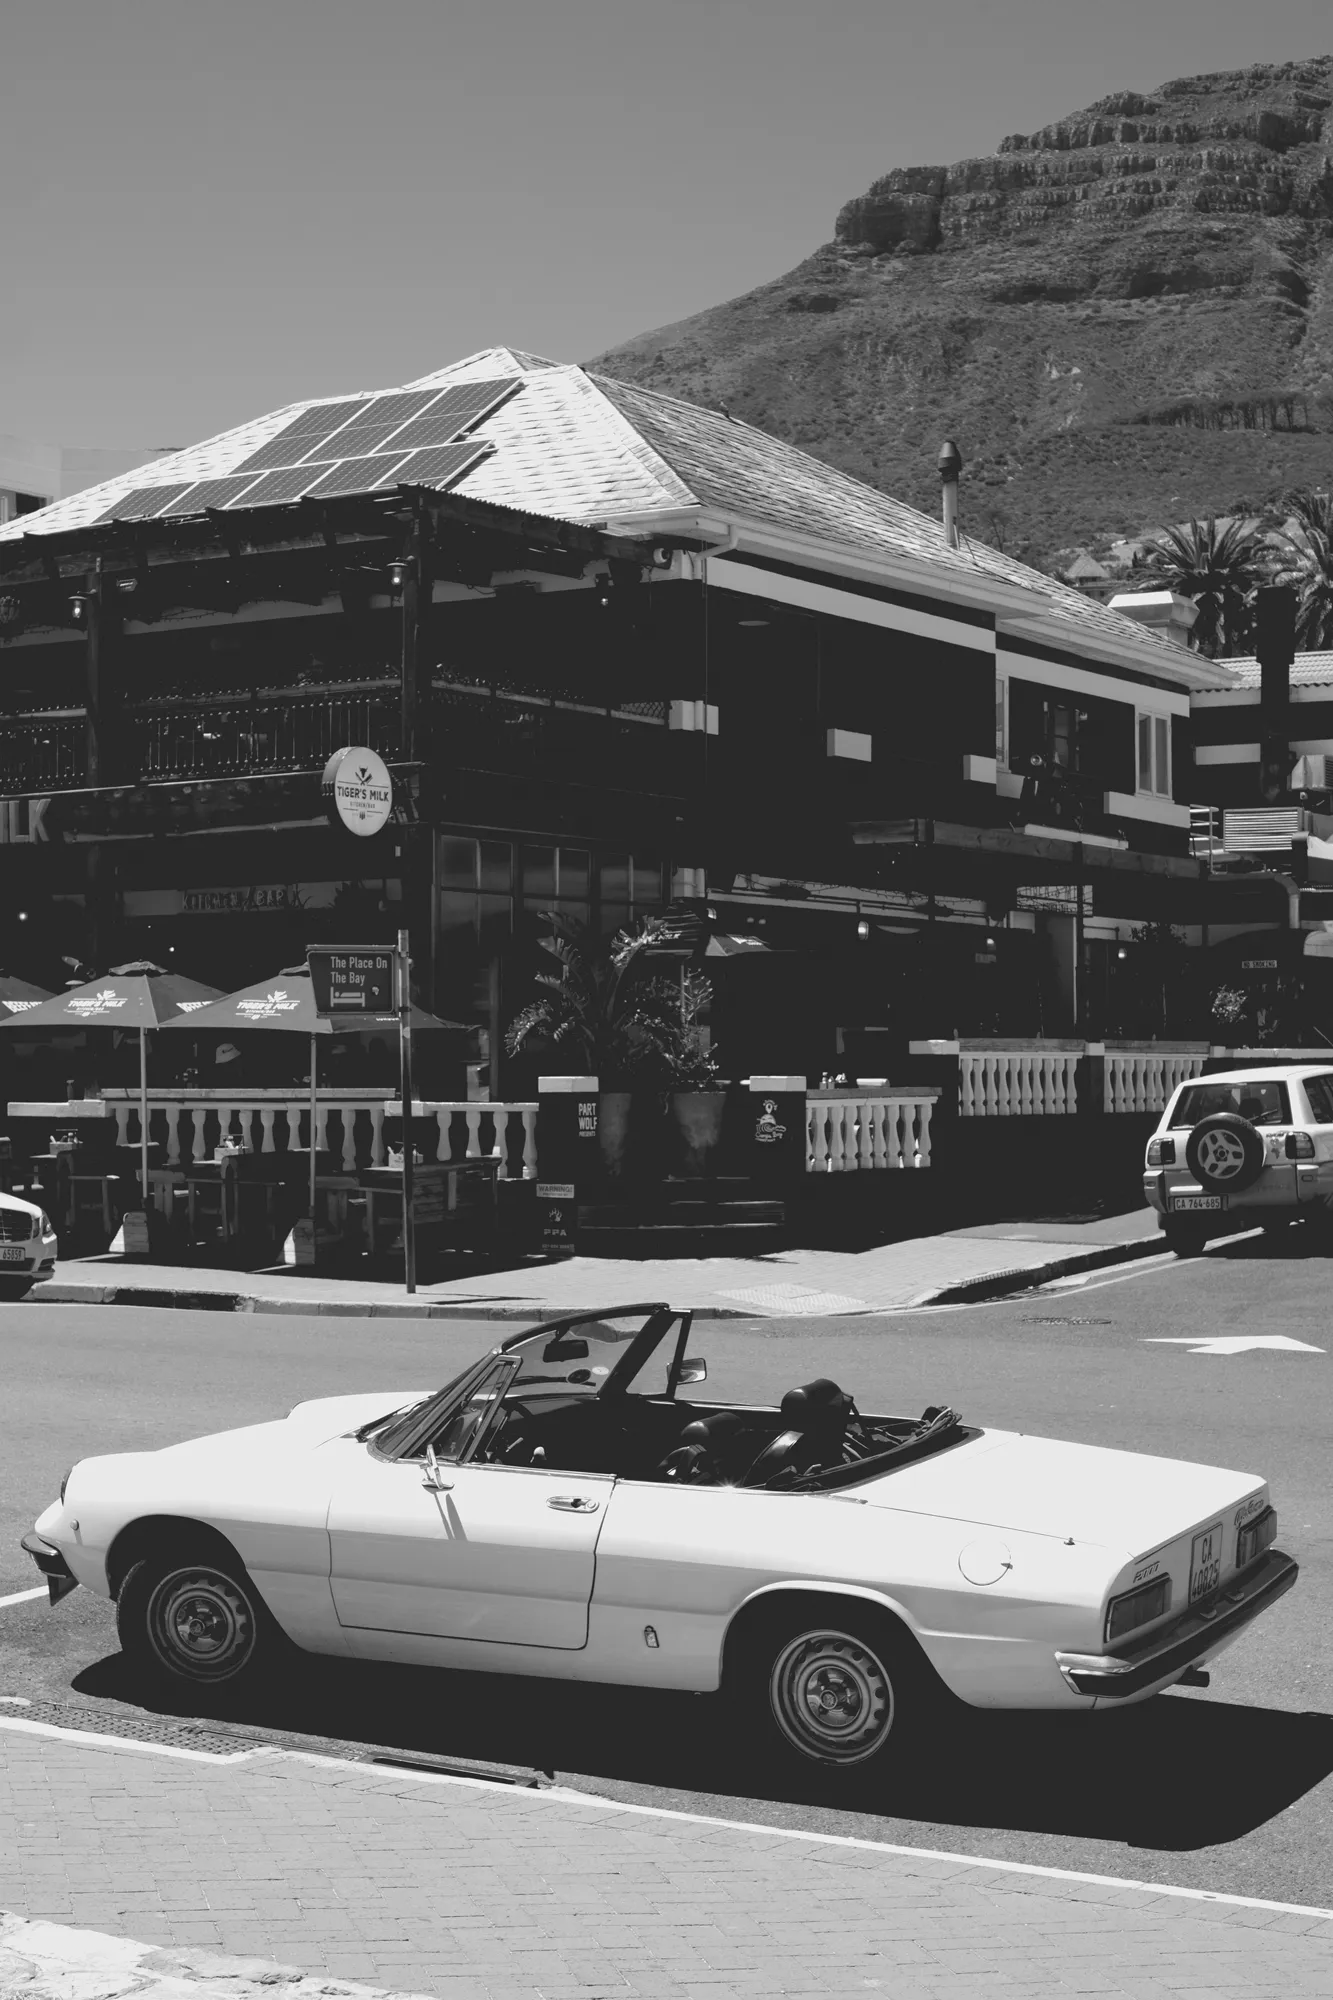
1225, 1153
193, 1618
839, 1688
1186, 1239
12, 1288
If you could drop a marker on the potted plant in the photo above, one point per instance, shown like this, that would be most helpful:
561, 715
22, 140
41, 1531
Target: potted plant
697, 1099
604, 1012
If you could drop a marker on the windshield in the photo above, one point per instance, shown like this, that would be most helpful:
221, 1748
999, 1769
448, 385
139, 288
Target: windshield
1263, 1100
579, 1359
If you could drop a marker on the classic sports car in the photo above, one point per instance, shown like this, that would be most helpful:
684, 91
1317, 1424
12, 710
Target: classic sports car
560, 1510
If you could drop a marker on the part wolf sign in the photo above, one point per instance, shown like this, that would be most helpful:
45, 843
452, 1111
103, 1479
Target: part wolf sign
358, 791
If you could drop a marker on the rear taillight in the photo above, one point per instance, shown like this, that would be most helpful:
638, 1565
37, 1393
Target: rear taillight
1137, 1607
1161, 1152
1299, 1146
1255, 1537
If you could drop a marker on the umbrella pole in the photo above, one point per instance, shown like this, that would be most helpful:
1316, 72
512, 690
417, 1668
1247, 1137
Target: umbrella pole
314, 1113
143, 1114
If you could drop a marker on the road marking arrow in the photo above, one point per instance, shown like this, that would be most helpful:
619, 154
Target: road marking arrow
1235, 1343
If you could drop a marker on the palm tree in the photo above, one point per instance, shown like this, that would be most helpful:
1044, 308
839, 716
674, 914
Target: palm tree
1218, 568
1307, 564
641, 1030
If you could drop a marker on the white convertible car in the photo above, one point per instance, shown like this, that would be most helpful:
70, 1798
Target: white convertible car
560, 1510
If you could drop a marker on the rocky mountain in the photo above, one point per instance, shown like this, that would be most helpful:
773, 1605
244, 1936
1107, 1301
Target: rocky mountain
1122, 319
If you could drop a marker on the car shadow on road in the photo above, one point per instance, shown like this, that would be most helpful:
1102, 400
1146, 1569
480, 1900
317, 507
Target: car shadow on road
1176, 1773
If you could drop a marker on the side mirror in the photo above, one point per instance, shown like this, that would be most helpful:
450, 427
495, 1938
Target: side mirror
691, 1371
434, 1482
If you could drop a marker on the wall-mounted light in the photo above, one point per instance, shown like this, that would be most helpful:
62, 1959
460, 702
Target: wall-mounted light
990, 943
78, 605
22, 916
398, 573
751, 624
127, 584
863, 929
1122, 953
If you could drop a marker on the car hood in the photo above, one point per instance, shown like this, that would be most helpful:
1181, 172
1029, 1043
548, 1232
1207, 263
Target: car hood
1032, 1485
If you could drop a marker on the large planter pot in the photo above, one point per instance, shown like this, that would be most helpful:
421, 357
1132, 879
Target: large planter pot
629, 1134
697, 1119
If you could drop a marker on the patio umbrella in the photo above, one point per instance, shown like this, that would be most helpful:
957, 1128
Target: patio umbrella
17, 996
139, 995
286, 1005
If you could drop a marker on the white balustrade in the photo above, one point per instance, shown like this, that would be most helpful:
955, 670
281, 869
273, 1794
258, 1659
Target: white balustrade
194, 1124
864, 1133
1017, 1083
1144, 1082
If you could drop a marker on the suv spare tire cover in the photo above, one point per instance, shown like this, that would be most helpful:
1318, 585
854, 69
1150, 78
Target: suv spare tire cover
1225, 1153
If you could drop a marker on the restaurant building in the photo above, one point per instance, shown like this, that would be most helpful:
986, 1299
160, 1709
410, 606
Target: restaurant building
619, 653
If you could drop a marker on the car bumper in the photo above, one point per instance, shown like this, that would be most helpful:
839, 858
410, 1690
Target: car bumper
1164, 1656
1293, 1193
60, 1578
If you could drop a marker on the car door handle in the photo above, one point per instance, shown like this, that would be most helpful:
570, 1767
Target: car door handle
573, 1503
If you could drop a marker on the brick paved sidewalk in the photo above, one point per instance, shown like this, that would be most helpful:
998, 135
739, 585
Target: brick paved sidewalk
477, 1892
787, 1283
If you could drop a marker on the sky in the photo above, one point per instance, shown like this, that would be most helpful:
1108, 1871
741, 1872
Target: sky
209, 208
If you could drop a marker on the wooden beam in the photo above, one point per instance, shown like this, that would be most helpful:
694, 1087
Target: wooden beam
998, 840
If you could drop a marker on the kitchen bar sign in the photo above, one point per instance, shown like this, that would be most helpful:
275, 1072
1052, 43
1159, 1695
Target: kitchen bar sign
1062, 897
358, 791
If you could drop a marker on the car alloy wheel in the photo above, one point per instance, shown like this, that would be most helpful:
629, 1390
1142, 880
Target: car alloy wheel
832, 1697
201, 1624
1221, 1156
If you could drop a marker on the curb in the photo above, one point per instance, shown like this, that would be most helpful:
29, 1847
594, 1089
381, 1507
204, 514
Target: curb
997, 1284
67, 1292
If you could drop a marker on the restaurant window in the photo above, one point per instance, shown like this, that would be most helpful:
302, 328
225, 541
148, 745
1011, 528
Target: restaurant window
630, 888
1155, 755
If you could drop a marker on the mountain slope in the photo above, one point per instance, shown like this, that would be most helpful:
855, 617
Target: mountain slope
1077, 310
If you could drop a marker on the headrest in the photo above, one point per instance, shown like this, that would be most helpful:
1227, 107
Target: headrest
815, 1403
710, 1431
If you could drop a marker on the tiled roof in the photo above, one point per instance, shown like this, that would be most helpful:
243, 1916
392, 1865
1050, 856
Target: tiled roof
584, 448
1308, 670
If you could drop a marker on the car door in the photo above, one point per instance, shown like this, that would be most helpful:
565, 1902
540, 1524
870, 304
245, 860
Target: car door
458, 1550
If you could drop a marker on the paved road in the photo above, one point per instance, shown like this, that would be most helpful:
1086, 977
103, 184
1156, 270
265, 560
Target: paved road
1226, 1789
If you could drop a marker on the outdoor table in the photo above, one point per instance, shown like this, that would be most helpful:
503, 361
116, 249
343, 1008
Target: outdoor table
456, 1205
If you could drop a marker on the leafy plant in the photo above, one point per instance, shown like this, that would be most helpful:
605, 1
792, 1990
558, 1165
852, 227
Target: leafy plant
1306, 561
1219, 569
606, 1012
1228, 1004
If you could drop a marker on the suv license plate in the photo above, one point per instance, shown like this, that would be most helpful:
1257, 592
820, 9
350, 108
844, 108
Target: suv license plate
1184, 1201
1206, 1562
11, 1254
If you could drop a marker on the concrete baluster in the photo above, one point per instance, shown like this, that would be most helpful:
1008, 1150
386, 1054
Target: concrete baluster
924, 1108
884, 1135
500, 1120
377, 1134
267, 1114
473, 1132
529, 1142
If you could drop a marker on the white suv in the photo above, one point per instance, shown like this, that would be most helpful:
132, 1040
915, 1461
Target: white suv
1255, 1142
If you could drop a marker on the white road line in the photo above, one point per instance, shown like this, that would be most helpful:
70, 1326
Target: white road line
567, 1796
23, 1596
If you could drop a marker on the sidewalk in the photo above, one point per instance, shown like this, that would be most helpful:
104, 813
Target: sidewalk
470, 1891
925, 1270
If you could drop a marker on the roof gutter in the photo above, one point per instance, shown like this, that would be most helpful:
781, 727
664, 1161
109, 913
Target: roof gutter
1018, 611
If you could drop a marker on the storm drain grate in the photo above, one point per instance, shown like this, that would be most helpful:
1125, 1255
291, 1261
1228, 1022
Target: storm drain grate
139, 1728
1060, 1319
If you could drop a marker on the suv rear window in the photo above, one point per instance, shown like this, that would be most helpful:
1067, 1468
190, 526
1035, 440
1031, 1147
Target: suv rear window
1262, 1101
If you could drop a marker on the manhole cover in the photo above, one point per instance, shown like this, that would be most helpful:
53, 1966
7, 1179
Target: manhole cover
1058, 1319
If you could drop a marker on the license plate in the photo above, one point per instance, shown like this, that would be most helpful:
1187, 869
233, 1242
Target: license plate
11, 1254
1206, 1562
1184, 1201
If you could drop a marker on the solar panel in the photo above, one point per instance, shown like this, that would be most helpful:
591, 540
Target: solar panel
357, 475
210, 493
276, 487
144, 502
300, 435
378, 420
457, 410
443, 466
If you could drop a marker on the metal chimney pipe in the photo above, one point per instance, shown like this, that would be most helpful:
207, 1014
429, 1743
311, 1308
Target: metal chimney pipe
1275, 649
950, 462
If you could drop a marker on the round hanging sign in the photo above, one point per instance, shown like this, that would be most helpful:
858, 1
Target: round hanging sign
358, 791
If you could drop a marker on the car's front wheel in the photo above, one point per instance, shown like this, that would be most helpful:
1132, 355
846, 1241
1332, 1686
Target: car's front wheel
833, 1689
197, 1621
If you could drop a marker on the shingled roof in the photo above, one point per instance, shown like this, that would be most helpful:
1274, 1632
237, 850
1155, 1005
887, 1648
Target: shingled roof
586, 449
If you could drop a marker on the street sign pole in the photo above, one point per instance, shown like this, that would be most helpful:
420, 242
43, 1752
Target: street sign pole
405, 1092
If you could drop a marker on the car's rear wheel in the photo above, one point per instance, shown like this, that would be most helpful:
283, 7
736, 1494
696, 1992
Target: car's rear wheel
833, 1688
196, 1620
1186, 1239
